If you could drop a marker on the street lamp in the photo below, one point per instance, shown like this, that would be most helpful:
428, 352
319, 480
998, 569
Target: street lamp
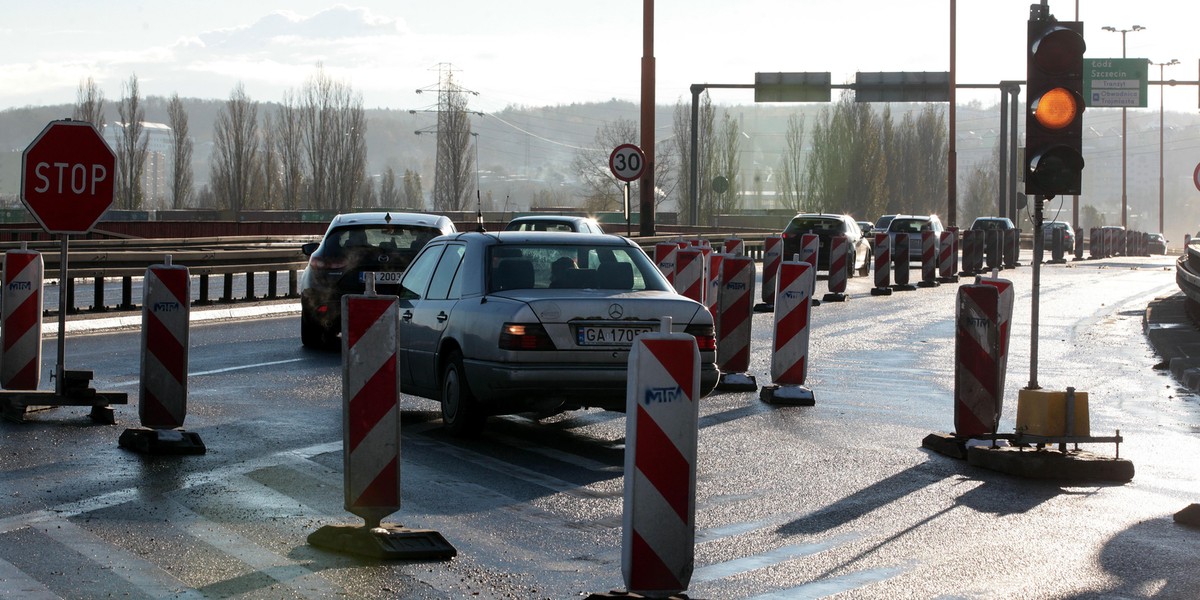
1161, 156
1124, 196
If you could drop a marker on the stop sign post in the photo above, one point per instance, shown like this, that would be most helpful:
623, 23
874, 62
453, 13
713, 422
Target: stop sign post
67, 183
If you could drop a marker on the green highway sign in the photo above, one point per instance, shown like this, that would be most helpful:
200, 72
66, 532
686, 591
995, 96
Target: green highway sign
1115, 82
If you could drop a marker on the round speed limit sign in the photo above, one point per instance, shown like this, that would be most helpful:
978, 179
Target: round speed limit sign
627, 162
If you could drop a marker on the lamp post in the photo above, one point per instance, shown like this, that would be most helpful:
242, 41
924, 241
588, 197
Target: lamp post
1124, 195
1161, 156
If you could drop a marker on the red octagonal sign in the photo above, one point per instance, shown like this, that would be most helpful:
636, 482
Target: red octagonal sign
67, 177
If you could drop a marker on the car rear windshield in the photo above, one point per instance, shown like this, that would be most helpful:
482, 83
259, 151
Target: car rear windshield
380, 237
548, 225
910, 225
989, 224
815, 225
572, 266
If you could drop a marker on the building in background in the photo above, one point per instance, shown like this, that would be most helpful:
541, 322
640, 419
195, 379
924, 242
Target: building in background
159, 169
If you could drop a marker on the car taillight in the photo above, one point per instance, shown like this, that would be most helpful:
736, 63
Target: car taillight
525, 336
706, 338
335, 264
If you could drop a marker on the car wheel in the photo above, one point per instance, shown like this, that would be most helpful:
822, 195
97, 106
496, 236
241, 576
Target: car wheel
461, 413
313, 335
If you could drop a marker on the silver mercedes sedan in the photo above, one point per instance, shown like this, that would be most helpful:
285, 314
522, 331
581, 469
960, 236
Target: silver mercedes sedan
533, 322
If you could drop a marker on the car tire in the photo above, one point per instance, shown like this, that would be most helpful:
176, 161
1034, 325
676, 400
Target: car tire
461, 414
312, 334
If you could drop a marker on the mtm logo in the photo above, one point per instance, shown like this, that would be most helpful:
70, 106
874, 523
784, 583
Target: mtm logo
662, 395
20, 286
167, 306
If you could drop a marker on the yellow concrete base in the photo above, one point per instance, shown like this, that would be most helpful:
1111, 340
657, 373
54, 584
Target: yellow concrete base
1044, 412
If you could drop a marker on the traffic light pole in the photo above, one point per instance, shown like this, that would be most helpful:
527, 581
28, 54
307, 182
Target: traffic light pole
1038, 243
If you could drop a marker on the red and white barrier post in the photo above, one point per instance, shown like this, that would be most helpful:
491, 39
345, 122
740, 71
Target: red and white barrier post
162, 404
689, 273
1012, 248
789, 359
371, 436
882, 251
772, 255
900, 259
733, 324
1004, 316
948, 257
838, 248
712, 287
735, 245
810, 252
978, 376
21, 332
929, 259
972, 252
661, 436
664, 257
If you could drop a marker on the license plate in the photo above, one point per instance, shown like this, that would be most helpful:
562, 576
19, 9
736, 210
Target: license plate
607, 335
382, 276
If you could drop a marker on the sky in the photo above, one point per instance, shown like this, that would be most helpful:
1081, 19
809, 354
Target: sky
544, 52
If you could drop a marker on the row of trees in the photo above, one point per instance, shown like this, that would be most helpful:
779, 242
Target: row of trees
308, 153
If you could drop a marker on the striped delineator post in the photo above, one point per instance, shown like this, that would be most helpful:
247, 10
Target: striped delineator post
810, 252
900, 258
772, 255
734, 245
712, 285
973, 242
1012, 248
1095, 245
948, 257
993, 246
371, 435
929, 259
789, 357
1004, 318
838, 247
978, 375
882, 251
733, 324
162, 385
689, 273
664, 257
21, 332
661, 433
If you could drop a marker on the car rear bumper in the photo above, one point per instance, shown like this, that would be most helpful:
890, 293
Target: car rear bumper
510, 388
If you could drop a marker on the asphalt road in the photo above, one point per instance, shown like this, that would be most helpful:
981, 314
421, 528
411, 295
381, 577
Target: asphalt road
834, 500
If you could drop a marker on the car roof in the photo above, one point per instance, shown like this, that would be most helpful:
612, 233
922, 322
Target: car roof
395, 218
554, 218
542, 237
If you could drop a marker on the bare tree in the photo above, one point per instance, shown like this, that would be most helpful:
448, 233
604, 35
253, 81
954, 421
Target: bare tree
181, 150
790, 184
455, 155
268, 186
334, 133
235, 150
729, 166
705, 152
132, 143
389, 195
89, 104
289, 147
413, 197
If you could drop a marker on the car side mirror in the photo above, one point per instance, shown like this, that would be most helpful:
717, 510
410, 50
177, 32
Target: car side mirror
309, 248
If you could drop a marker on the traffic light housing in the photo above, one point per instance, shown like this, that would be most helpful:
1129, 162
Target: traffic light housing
1054, 107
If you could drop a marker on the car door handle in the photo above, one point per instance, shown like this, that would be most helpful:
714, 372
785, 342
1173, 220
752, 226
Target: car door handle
406, 315
442, 316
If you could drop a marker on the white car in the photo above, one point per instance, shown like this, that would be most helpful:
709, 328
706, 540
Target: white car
914, 226
554, 223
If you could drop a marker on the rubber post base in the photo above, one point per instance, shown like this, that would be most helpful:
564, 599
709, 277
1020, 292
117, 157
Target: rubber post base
161, 441
386, 542
791, 395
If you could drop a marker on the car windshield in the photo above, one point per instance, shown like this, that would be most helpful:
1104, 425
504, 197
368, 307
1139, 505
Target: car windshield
815, 225
989, 224
380, 237
572, 266
540, 225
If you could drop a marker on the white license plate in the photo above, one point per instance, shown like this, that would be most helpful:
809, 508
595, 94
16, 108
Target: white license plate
597, 335
382, 276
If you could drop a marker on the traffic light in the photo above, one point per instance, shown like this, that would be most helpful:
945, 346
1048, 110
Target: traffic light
1054, 107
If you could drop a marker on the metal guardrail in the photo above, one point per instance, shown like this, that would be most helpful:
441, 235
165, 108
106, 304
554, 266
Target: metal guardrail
237, 260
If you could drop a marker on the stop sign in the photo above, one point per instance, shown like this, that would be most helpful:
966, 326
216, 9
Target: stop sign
67, 177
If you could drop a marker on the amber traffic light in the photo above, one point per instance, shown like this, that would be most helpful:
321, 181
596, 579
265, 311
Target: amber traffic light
1054, 107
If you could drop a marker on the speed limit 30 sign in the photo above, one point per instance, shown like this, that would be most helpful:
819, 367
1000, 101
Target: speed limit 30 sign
627, 162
